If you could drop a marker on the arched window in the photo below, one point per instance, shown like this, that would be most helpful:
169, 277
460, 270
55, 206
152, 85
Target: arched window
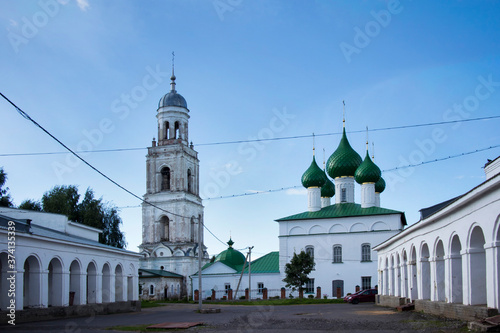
165, 179
310, 250
337, 253
190, 181
167, 130
164, 229
366, 252
343, 195
151, 289
177, 133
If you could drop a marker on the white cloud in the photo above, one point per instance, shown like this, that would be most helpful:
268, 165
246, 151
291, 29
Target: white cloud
83, 4
296, 191
13, 23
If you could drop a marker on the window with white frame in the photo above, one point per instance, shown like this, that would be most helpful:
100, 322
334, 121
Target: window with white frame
310, 286
310, 250
260, 287
366, 282
227, 286
366, 252
337, 253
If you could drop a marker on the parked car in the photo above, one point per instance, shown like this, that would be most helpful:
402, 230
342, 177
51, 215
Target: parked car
367, 295
347, 297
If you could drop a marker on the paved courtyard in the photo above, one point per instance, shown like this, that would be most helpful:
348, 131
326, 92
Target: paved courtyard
239, 318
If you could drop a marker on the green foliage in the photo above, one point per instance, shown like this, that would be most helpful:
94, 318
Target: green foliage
5, 199
30, 204
62, 200
90, 211
297, 270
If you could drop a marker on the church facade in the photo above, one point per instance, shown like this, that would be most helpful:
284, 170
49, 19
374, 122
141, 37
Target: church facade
173, 208
340, 236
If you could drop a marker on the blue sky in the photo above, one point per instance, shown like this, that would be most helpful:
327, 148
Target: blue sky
250, 69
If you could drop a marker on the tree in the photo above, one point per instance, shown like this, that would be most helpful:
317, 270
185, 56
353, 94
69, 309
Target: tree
62, 200
297, 269
90, 211
30, 204
5, 199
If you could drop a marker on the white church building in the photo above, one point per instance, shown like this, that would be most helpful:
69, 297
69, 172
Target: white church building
173, 207
450, 259
53, 262
340, 236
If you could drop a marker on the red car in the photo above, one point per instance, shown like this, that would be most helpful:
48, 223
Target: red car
367, 295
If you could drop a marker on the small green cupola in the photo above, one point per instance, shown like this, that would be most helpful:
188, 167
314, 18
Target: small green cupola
231, 257
328, 189
314, 176
367, 172
344, 161
380, 185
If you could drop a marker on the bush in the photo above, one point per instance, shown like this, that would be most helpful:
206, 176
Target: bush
310, 296
209, 298
242, 297
274, 297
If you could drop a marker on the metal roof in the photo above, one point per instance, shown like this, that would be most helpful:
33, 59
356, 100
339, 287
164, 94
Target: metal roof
159, 272
343, 210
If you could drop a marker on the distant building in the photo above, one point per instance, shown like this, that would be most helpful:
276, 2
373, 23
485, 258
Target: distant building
157, 284
57, 262
170, 224
451, 257
229, 270
340, 236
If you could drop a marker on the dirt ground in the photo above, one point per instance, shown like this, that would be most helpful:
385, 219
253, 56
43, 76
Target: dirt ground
240, 318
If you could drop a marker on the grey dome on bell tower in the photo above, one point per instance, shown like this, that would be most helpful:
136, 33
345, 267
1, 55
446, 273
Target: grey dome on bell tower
172, 98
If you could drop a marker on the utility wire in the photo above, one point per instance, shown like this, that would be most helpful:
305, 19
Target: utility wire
260, 140
26, 116
387, 170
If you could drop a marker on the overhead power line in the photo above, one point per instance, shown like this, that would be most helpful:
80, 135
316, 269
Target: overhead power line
259, 140
26, 116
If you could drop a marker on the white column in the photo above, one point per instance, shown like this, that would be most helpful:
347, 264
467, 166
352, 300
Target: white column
313, 199
466, 294
368, 195
346, 183
491, 275
433, 282
19, 289
112, 287
385, 282
44, 288
83, 289
404, 292
325, 202
448, 284
65, 288
98, 288
397, 281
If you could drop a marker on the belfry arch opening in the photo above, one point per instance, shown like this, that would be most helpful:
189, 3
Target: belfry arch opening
167, 130
164, 229
165, 179
177, 134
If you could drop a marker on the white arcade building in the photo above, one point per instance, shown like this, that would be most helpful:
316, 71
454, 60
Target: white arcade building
340, 236
57, 262
450, 257
170, 224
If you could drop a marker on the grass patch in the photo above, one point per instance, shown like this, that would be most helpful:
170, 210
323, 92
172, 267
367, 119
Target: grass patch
151, 304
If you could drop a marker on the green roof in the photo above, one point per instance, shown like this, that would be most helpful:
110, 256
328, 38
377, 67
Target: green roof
160, 272
344, 161
327, 190
266, 264
380, 185
343, 210
314, 176
368, 172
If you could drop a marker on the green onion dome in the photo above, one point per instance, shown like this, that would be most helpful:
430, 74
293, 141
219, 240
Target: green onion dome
328, 189
344, 161
314, 176
380, 185
231, 256
368, 172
